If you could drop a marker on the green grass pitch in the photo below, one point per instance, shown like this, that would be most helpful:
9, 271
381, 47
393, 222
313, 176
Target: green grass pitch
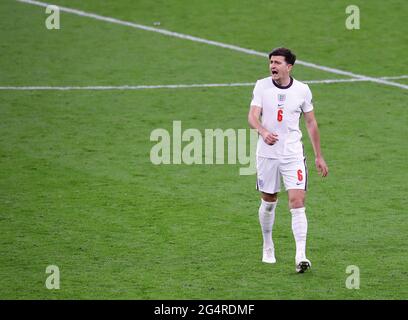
78, 190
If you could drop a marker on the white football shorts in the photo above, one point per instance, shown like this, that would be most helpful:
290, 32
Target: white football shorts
270, 172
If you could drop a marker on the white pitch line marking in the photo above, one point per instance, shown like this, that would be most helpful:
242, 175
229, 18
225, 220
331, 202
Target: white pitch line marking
175, 86
141, 87
210, 42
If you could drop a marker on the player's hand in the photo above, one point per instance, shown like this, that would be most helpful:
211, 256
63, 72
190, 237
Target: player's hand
269, 138
321, 166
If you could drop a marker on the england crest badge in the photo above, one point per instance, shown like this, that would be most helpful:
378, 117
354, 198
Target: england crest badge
281, 97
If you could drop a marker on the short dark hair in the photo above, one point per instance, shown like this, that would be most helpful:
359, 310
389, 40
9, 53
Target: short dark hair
290, 57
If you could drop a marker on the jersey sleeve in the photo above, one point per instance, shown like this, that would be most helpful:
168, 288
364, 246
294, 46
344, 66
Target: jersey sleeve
257, 95
308, 102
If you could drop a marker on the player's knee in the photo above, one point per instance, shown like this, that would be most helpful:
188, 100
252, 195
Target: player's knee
296, 203
269, 197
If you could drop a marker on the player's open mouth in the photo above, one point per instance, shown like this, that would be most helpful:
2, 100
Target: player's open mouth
274, 72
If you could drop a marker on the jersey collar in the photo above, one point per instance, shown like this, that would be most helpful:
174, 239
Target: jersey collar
283, 87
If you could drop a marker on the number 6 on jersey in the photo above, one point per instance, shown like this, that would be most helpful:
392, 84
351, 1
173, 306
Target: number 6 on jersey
280, 115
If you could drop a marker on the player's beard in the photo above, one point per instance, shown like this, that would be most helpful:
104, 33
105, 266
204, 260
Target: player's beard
276, 77
279, 77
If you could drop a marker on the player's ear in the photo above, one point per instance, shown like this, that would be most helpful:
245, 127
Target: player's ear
290, 67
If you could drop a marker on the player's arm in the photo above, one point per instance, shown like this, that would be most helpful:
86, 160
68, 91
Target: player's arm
313, 130
255, 123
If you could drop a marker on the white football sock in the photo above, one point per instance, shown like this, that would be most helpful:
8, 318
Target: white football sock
299, 228
266, 219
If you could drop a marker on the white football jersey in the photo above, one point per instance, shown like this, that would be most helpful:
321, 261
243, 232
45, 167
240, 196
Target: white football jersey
281, 111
